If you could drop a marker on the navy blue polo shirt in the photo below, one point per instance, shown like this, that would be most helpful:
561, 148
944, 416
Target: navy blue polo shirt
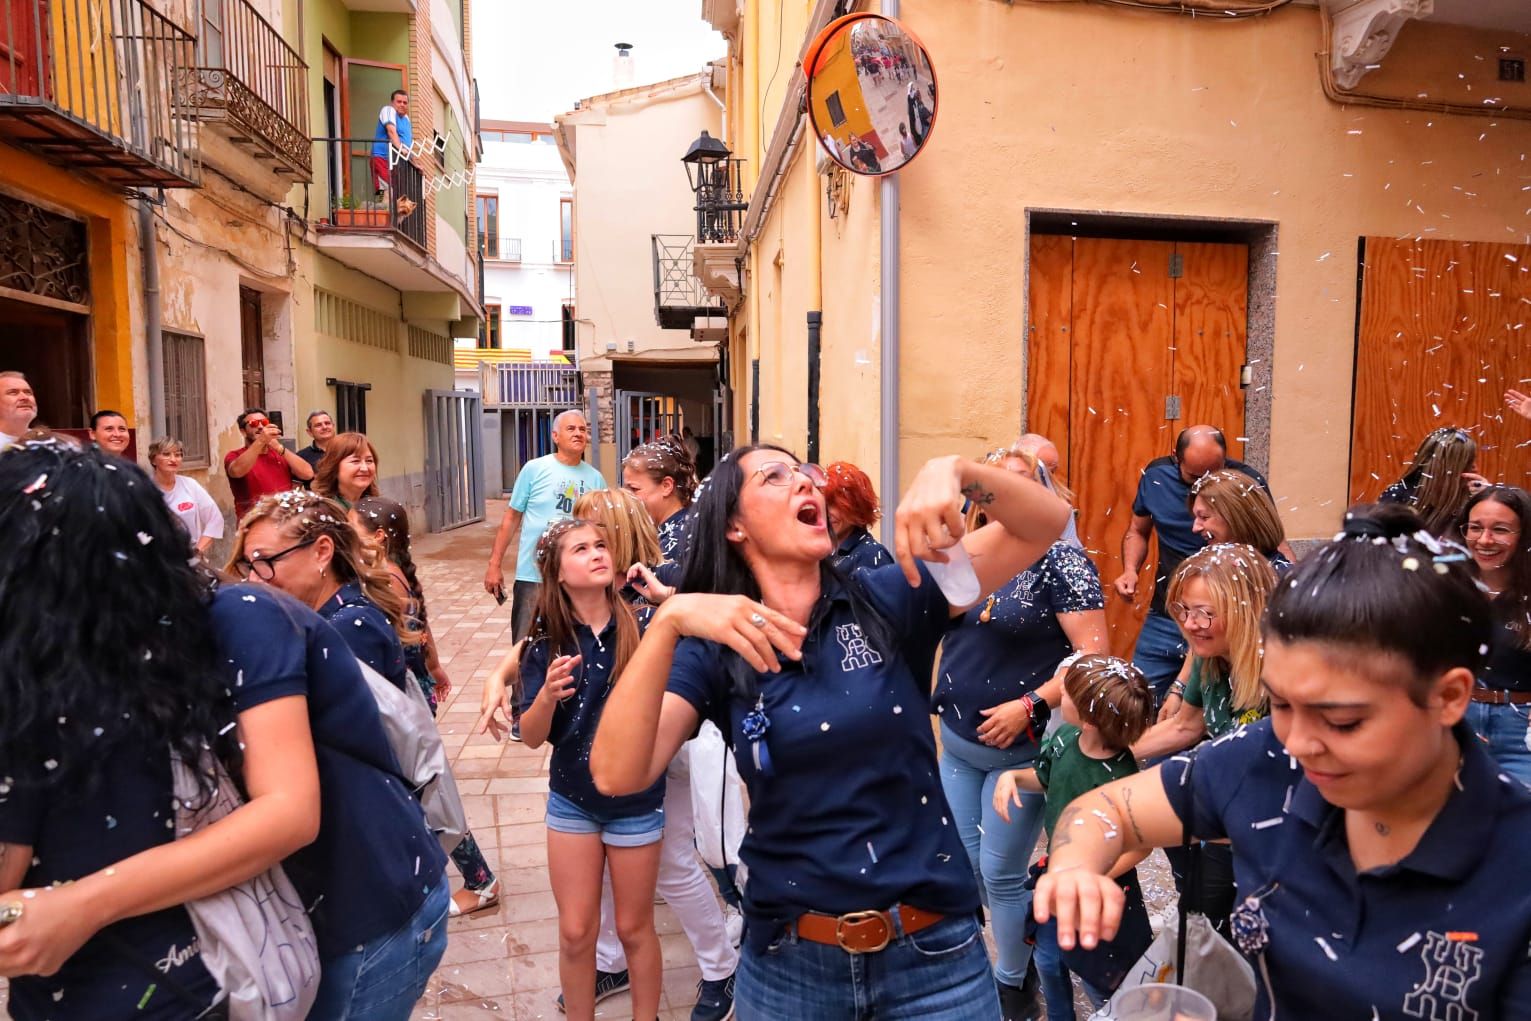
367, 631
576, 718
674, 544
857, 550
852, 816
72, 836
1509, 663
1441, 934
375, 858
1012, 643
1164, 496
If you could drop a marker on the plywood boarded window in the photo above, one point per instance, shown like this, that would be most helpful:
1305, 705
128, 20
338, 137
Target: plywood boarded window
1443, 332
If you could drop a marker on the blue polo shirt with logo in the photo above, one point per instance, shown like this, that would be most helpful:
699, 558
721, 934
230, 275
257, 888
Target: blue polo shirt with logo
1012, 642
851, 815
1164, 496
1444, 933
857, 550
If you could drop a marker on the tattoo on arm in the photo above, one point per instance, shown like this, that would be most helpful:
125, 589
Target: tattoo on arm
1063, 829
1137, 831
976, 492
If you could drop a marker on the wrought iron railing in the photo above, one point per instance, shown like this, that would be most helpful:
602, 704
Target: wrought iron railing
679, 296
99, 85
247, 72
502, 249
720, 202
529, 385
374, 195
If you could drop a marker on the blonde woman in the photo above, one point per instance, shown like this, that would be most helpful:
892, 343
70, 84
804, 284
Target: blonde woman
187, 500
1228, 506
630, 533
1439, 480
1217, 596
303, 544
632, 539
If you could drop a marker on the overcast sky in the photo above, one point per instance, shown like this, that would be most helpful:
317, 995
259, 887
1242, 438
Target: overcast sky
534, 58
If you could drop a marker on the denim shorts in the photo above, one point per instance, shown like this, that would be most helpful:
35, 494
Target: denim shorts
564, 816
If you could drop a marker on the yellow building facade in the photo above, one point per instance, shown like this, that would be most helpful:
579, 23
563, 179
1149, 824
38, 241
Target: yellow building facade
1092, 124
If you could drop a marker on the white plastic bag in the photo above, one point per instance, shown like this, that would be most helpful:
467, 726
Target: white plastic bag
1213, 968
717, 798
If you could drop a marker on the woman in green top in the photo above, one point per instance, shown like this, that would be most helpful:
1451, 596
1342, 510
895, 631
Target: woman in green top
1217, 596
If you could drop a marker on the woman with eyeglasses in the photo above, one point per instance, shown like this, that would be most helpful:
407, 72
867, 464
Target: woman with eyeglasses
1494, 526
1217, 596
860, 895
377, 878
1439, 480
304, 545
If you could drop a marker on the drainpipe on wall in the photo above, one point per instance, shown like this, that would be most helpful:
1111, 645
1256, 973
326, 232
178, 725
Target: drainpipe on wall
152, 335
888, 369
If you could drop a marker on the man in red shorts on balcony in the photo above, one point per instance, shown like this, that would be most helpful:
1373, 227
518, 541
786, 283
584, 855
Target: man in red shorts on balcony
392, 141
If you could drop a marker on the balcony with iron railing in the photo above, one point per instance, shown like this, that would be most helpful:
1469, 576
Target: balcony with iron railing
253, 86
375, 198
98, 86
679, 297
499, 249
529, 384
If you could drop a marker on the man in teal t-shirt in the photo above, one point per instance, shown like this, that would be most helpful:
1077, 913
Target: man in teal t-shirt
545, 491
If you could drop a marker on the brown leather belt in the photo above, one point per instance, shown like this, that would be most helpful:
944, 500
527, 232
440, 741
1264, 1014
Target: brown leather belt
863, 932
1501, 696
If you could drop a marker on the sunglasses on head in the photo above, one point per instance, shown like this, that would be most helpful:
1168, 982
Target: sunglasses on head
779, 473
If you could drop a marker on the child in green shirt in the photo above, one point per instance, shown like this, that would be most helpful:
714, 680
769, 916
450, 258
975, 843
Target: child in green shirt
1107, 705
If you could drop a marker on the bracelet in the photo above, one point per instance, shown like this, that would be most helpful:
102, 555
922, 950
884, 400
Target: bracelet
1178, 688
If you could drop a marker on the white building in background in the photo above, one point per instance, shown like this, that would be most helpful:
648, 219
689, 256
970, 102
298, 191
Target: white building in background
526, 233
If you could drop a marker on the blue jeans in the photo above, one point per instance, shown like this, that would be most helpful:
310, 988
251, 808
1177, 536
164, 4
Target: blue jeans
1160, 653
938, 974
1057, 980
383, 979
999, 852
1507, 732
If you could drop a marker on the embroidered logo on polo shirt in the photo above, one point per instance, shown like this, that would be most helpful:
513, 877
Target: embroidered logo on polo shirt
858, 654
1451, 967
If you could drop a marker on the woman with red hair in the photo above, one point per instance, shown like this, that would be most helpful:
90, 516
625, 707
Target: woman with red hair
852, 508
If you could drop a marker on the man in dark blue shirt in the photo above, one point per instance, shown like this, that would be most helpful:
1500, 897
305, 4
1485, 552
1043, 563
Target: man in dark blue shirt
1162, 507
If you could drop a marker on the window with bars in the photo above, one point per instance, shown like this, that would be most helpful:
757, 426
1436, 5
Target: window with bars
350, 405
186, 396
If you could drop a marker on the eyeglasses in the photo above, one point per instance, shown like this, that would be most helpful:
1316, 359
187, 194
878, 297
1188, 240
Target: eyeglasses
264, 568
779, 473
1196, 616
1474, 530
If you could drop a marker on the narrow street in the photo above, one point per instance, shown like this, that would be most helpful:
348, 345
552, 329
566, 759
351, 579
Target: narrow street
504, 962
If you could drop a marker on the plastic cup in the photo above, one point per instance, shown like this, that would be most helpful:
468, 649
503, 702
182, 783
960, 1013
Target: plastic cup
956, 578
1155, 1002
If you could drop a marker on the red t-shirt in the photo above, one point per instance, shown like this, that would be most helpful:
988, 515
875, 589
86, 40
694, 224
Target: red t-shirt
269, 474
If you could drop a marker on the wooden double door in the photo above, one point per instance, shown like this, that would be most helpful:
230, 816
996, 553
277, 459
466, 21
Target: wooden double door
1130, 342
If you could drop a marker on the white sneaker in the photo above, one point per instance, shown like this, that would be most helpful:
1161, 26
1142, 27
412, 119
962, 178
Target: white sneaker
733, 923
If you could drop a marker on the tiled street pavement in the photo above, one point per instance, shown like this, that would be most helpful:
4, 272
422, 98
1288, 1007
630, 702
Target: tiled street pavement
504, 963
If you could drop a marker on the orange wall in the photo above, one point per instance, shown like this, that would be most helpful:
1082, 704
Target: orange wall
1088, 107
111, 243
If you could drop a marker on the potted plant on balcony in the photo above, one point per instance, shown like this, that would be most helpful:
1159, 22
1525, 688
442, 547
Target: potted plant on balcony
350, 215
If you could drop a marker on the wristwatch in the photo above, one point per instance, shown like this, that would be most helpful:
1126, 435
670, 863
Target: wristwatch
1039, 712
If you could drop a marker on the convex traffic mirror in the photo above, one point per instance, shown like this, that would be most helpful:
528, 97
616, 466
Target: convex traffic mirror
871, 93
